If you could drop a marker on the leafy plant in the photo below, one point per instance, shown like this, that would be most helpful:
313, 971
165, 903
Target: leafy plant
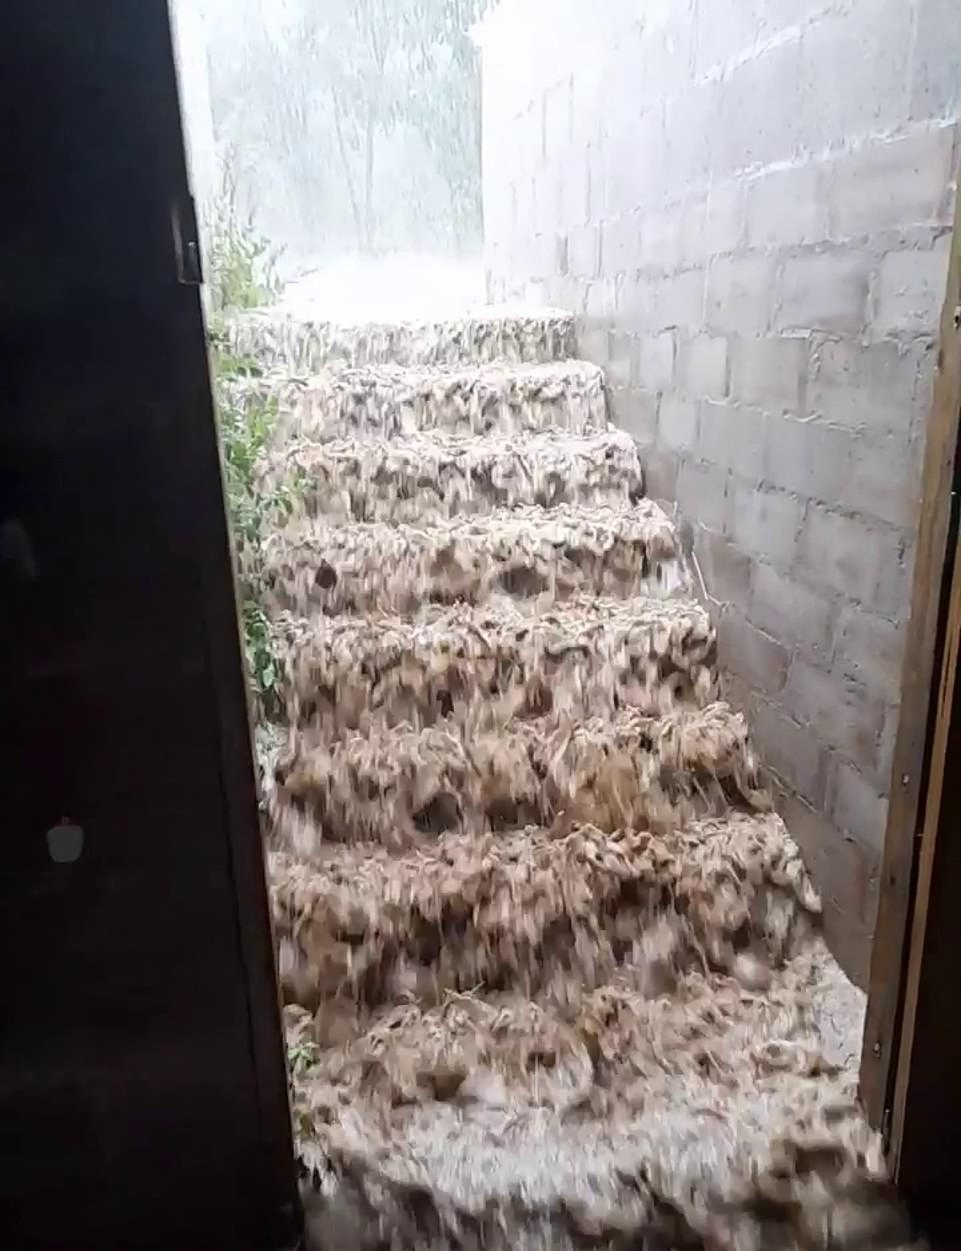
300, 1057
242, 263
242, 273
246, 415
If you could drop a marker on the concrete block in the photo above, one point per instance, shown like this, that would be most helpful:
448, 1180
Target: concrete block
661, 236
889, 185
558, 108
702, 366
622, 364
740, 294
910, 291
689, 132
808, 458
574, 192
661, 470
854, 67
793, 613
726, 570
733, 436
725, 219
852, 882
678, 423
766, 523
601, 298
850, 941
739, 695
857, 807
869, 649
758, 120
702, 494
692, 247
540, 255
724, 33
873, 387
770, 373
632, 157
844, 714
635, 410
680, 300
656, 368
825, 291
892, 593
636, 302
620, 246
793, 751
594, 343
935, 81
666, 50
885, 479
844, 553
759, 660
786, 207
583, 252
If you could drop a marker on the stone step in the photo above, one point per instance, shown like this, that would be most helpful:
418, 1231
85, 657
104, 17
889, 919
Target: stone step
311, 566
584, 658
521, 335
390, 401
534, 910
402, 787
420, 476
701, 1118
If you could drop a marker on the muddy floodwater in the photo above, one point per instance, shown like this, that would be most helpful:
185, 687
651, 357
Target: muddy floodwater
553, 966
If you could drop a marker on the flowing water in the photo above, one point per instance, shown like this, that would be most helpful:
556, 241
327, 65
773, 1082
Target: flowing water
553, 967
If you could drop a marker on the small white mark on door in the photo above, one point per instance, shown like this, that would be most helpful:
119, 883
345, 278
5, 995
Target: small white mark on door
65, 842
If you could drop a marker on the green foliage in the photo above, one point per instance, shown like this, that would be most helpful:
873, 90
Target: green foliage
301, 1057
242, 265
246, 416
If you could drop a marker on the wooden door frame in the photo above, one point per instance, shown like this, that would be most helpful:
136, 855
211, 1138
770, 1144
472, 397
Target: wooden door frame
918, 767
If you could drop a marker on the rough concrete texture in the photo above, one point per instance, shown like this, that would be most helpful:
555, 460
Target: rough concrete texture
749, 206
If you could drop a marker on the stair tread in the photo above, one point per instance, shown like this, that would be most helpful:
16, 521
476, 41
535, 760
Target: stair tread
526, 910
486, 333
359, 566
387, 401
418, 476
503, 1122
581, 657
402, 786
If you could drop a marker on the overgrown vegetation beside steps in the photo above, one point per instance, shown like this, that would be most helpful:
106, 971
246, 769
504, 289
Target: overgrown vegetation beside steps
242, 274
246, 423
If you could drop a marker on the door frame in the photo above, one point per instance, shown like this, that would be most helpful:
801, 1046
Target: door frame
918, 769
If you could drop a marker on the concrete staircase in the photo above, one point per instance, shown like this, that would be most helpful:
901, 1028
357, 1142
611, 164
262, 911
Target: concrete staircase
552, 964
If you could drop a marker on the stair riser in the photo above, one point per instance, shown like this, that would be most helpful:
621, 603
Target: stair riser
329, 412
405, 789
351, 681
406, 484
316, 569
532, 912
623, 573
305, 347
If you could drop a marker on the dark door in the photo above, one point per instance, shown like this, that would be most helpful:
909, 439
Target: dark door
142, 1083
